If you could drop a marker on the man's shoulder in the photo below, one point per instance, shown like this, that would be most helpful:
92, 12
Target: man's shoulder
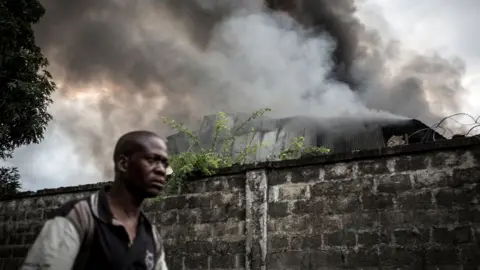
70, 206
77, 212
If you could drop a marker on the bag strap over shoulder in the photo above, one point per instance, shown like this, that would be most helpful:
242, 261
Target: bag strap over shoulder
86, 226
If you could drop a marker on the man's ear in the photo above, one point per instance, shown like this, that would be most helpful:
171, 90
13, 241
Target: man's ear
122, 164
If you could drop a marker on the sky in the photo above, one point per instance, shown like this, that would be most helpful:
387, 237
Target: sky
436, 25
431, 26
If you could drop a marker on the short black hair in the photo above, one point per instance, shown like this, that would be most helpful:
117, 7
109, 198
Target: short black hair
131, 143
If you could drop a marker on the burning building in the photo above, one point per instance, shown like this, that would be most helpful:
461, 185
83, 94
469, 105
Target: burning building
340, 135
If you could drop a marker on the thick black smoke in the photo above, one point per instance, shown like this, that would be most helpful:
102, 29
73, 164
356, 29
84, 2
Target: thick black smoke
338, 20
362, 60
92, 40
187, 58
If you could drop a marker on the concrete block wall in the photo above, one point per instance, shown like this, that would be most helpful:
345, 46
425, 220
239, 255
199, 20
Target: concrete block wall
204, 226
404, 212
410, 207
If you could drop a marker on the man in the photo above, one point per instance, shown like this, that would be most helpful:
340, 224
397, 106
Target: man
107, 230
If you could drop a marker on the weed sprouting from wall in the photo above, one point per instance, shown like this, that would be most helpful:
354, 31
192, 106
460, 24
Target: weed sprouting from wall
198, 160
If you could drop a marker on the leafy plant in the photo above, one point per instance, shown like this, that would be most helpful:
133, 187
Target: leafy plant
9, 180
208, 160
297, 149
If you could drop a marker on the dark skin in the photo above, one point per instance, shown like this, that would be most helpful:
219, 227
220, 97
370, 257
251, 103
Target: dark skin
139, 175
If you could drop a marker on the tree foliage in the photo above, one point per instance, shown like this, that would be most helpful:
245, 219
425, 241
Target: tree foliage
24, 83
208, 160
9, 180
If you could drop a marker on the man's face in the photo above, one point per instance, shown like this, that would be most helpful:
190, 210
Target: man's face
147, 169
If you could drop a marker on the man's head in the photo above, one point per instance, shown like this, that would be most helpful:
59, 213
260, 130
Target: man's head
141, 161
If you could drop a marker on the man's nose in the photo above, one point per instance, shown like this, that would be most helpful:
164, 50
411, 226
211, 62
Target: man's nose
160, 169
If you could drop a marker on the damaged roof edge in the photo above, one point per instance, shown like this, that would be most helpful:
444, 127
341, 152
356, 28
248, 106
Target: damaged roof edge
341, 134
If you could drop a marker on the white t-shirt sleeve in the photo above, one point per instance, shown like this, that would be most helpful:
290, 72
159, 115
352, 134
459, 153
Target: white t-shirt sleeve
55, 248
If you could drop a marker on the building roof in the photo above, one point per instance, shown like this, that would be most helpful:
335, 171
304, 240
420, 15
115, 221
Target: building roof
341, 134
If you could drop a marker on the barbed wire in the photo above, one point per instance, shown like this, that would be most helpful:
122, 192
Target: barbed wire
442, 128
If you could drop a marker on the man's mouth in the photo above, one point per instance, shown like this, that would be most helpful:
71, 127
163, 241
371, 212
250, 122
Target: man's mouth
159, 182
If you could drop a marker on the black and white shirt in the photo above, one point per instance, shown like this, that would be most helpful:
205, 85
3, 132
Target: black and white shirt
84, 235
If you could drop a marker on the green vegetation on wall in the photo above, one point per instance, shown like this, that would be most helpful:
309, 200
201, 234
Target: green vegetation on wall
208, 160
